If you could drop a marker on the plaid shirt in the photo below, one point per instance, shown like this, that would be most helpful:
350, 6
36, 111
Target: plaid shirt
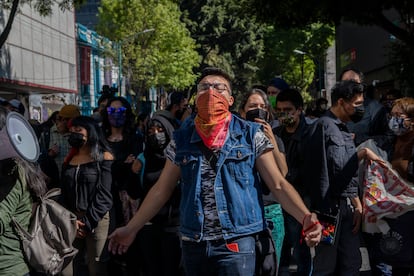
62, 141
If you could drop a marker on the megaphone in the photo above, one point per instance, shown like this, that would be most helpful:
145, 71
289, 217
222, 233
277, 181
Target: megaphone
18, 139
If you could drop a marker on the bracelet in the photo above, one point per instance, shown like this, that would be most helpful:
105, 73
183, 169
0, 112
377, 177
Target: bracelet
307, 229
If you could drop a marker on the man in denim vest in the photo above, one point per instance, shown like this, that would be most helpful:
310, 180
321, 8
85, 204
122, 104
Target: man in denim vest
218, 157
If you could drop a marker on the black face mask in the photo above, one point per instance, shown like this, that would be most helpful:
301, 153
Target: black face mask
358, 114
76, 140
179, 114
256, 113
157, 141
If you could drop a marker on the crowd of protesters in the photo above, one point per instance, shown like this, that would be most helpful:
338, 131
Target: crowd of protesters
184, 192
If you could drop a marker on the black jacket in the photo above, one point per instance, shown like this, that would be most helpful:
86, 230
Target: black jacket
86, 191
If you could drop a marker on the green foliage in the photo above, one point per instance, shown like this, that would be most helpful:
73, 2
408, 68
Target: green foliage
393, 16
163, 57
298, 13
44, 7
281, 59
226, 38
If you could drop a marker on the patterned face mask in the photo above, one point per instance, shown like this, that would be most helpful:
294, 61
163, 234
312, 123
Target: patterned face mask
213, 118
396, 124
286, 119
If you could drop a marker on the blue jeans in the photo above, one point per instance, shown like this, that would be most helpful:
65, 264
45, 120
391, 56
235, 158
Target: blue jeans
221, 258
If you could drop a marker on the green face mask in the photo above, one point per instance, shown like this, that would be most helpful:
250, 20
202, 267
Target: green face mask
272, 101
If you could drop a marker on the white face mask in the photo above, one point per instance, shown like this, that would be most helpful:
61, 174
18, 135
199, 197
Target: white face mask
397, 126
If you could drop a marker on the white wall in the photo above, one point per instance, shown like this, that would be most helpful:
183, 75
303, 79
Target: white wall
40, 50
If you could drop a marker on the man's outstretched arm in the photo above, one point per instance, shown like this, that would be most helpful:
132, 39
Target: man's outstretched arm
122, 237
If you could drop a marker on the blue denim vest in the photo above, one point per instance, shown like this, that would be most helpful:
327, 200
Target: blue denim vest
237, 187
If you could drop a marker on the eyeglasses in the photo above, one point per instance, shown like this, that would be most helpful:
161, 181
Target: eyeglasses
112, 110
218, 86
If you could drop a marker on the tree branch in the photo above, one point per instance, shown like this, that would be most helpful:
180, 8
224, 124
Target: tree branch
5, 34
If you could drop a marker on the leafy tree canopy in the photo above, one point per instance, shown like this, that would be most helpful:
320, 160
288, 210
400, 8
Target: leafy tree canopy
165, 56
226, 37
298, 13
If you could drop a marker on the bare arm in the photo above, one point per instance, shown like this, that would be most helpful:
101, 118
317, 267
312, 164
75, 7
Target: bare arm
288, 197
159, 194
280, 158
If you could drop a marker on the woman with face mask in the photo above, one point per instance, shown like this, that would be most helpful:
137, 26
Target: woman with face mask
401, 123
401, 157
86, 191
118, 125
255, 107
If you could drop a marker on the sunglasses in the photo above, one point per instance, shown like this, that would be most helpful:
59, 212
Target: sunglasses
112, 110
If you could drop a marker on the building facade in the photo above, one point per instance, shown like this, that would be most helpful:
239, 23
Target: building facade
38, 61
96, 67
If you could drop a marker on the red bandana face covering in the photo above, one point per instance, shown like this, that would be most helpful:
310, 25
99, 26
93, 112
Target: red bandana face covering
213, 118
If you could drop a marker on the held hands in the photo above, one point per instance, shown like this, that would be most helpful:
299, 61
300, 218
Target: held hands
311, 230
120, 240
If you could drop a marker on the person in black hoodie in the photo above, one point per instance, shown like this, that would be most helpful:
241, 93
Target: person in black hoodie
159, 240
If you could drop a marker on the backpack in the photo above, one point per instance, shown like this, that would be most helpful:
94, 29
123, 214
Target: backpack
47, 245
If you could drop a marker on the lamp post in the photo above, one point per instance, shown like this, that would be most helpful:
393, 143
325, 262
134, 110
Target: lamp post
119, 49
315, 60
302, 61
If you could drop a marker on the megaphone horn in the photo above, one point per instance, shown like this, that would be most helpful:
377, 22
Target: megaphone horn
18, 139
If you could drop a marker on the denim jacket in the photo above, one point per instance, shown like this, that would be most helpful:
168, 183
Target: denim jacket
237, 189
331, 162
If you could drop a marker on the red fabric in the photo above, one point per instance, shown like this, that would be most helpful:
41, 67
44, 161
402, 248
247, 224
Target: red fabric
386, 194
234, 247
85, 67
71, 154
213, 118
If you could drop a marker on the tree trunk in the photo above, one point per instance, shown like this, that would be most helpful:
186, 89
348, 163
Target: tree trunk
7, 28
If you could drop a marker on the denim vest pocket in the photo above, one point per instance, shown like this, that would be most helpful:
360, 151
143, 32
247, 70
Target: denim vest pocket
188, 164
239, 164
